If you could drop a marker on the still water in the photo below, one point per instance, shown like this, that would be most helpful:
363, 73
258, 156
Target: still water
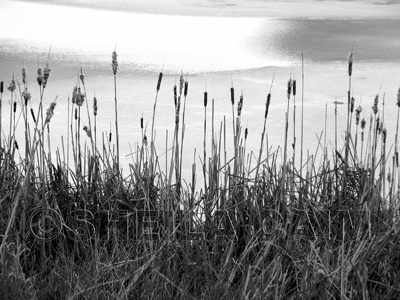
212, 53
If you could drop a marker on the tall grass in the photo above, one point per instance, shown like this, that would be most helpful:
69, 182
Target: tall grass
256, 230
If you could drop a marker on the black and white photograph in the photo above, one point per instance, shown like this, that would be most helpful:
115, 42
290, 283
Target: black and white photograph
199, 149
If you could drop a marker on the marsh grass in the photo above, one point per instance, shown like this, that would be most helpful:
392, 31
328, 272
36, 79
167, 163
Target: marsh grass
258, 229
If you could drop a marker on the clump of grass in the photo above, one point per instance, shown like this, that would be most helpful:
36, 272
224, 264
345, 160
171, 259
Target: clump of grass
257, 230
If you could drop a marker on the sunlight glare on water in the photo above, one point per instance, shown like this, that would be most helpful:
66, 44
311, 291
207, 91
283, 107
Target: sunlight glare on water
144, 41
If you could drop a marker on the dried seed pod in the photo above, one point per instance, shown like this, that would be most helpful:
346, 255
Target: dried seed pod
289, 88
181, 83
23, 75
15, 107
141, 123
26, 95
186, 88
267, 105
350, 56
232, 95
87, 130
175, 95
81, 77
50, 112
16, 145
109, 137
1, 87
95, 106
245, 133
384, 135
39, 77
46, 74
12, 85
352, 104
294, 87
33, 115
76, 114
114, 63
240, 106
205, 99
363, 123
160, 76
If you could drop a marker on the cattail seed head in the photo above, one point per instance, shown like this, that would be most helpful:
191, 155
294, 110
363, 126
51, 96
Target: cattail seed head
33, 115
245, 133
389, 177
76, 114
1, 87
375, 106
384, 135
294, 87
46, 74
178, 108
289, 88
175, 95
50, 112
181, 83
141, 123
232, 96
16, 145
358, 112
145, 140
398, 97
26, 95
15, 107
82, 77
350, 57
11, 87
267, 105
95, 106
397, 159
160, 76
39, 77
77, 96
186, 88
114, 63
240, 106
109, 137
205, 99
363, 123
23, 75
87, 130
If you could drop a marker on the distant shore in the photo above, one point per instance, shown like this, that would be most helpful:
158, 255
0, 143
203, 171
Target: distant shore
276, 9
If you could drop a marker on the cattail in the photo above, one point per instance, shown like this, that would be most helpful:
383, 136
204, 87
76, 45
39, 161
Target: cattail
33, 115
352, 104
39, 77
245, 133
384, 135
26, 95
358, 112
1, 87
76, 114
205, 99
109, 137
240, 105
141, 123
16, 145
23, 75
145, 140
77, 97
159, 81
289, 88
389, 177
178, 107
11, 88
114, 63
95, 106
82, 77
46, 74
175, 95
267, 104
294, 87
398, 96
375, 107
363, 123
350, 56
181, 83
232, 95
186, 88
87, 130
15, 107
50, 112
